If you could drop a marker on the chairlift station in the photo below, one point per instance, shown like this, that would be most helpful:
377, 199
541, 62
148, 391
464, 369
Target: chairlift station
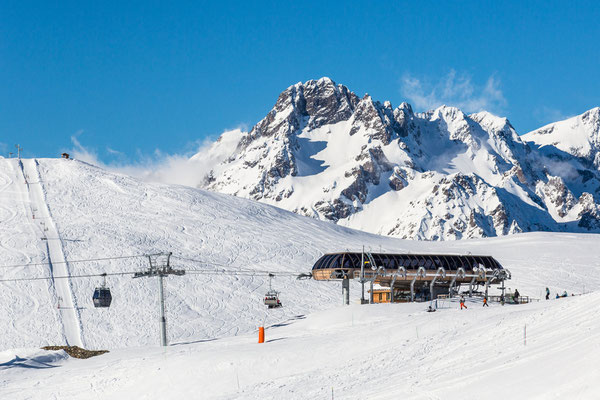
411, 277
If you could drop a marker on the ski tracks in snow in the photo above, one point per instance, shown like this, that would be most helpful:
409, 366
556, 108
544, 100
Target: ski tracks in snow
58, 266
19, 243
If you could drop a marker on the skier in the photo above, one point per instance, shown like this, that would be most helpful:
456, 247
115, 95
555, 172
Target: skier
516, 296
557, 296
462, 302
547, 294
485, 303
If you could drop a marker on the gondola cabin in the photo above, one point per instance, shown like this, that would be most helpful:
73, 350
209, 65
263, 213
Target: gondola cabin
102, 297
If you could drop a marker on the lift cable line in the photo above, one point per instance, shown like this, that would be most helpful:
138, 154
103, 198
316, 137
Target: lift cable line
49, 278
243, 273
89, 260
41, 264
160, 267
217, 264
188, 271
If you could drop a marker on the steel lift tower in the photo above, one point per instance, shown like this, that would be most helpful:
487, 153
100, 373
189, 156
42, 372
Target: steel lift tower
160, 267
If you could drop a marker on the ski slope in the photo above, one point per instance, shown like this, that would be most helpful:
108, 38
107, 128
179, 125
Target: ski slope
314, 345
386, 351
91, 213
96, 214
29, 311
69, 313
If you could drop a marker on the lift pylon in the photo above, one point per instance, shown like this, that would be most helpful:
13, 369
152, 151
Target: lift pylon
160, 267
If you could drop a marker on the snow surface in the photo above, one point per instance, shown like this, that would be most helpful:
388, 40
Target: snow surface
579, 135
543, 350
377, 351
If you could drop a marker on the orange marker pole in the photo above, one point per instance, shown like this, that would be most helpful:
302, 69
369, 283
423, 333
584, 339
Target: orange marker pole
261, 334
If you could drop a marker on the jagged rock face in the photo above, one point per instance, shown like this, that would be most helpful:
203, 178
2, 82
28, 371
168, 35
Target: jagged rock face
328, 103
557, 195
325, 153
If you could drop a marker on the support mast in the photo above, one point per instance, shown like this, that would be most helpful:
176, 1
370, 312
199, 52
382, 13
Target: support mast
362, 275
160, 271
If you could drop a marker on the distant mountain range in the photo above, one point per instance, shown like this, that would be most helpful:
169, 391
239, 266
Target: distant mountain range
326, 153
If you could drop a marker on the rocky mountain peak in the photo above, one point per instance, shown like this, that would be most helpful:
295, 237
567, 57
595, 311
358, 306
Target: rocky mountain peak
327, 102
441, 174
404, 106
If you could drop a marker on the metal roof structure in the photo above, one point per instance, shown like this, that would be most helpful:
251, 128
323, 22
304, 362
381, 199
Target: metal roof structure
449, 262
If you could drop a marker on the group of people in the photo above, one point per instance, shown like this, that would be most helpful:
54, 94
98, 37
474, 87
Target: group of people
462, 302
515, 297
557, 296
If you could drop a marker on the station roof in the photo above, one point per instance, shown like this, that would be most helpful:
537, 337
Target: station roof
408, 261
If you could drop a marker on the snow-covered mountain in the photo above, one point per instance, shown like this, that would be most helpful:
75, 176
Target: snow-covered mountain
578, 136
324, 152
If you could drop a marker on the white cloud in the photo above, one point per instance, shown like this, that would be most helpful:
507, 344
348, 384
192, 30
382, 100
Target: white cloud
547, 115
182, 169
114, 152
81, 153
454, 90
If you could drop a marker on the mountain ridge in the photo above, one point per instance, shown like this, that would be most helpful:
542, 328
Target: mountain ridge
326, 153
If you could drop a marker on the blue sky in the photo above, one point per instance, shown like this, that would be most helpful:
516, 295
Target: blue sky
130, 80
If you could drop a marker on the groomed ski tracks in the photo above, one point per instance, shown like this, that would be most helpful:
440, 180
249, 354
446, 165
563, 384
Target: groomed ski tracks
68, 310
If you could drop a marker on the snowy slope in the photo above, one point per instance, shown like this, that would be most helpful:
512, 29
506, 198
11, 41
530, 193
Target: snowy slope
324, 152
95, 214
544, 350
578, 136
314, 345
92, 214
26, 307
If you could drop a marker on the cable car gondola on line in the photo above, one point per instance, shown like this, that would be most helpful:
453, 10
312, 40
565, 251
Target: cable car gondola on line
102, 297
272, 296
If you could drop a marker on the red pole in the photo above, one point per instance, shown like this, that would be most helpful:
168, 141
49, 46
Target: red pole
261, 334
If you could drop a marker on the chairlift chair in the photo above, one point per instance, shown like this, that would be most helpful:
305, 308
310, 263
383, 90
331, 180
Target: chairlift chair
102, 296
272, 296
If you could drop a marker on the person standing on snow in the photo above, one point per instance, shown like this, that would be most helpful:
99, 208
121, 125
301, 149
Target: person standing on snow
485, 303
462, 302
547, 294
516, 296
